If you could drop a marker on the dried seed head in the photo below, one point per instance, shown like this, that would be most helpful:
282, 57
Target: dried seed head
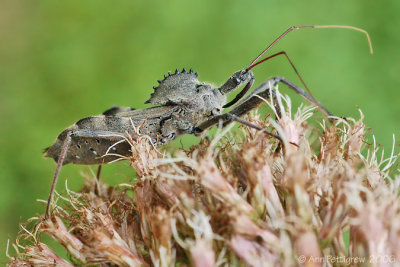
237, 200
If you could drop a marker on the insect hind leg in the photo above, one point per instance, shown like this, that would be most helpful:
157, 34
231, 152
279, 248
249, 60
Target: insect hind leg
71, 138
60, 162
97, 190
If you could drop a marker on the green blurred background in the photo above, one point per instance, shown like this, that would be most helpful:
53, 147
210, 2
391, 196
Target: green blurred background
62, 61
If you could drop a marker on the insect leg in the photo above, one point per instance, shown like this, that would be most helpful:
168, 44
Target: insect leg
66, 149
97, 185
252, 101
252, 125
301, 92
259, 128
98, 172
265, 91
233, 82
228, 118
60, 161
240, 94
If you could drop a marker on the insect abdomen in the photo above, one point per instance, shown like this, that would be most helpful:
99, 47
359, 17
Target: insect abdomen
89, 145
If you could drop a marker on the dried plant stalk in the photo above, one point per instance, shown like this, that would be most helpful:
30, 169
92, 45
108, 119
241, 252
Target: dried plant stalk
237, 200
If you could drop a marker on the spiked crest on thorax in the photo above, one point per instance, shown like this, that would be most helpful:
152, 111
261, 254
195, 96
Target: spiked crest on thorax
175, 88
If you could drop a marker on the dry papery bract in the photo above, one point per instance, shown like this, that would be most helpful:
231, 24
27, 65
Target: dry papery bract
239, 199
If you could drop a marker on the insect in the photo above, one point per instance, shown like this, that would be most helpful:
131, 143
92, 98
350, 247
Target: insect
182, 105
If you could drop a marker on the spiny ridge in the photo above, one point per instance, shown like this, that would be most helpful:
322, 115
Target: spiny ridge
176, 73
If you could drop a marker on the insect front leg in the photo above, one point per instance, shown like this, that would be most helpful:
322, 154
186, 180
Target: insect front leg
244, 107
265, 91
85, 147
252, 101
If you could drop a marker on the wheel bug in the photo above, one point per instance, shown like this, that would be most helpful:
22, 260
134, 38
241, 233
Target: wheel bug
183, 105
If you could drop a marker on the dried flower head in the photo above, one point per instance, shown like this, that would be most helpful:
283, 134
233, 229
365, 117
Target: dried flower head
239, 199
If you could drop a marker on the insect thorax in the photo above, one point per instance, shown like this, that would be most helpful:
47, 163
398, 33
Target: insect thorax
184, 89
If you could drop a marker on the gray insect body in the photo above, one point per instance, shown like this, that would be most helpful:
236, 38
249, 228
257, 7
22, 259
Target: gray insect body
183, 106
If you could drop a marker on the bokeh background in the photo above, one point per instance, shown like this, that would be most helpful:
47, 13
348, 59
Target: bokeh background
62, 61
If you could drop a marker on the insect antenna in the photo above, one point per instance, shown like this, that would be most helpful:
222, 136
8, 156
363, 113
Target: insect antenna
258, 59
254, 62
247, 87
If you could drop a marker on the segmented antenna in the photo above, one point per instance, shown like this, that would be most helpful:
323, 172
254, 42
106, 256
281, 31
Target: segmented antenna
254, 62
258, 59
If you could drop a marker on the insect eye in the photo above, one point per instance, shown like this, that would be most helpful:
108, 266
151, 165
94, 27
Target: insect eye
216, 111
237, 80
